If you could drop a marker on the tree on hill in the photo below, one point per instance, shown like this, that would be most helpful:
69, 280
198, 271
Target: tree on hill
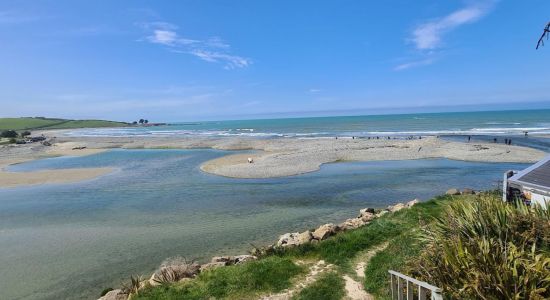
146, 121
134, 123
141, 121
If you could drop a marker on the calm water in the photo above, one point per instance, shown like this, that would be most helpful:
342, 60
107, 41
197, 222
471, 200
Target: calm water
70, 241
511, 123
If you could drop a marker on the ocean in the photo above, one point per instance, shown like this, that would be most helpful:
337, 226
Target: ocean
501, 123
70, 241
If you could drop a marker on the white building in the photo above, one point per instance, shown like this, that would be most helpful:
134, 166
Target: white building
532, 184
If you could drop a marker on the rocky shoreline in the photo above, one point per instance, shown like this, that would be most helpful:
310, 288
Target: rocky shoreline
180, 270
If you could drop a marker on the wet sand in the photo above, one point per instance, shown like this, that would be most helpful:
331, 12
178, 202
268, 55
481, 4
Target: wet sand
14, 154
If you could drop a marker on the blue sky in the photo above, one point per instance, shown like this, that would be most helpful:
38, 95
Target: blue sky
190, 60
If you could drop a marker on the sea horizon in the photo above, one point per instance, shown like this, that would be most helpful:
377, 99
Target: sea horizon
475, 123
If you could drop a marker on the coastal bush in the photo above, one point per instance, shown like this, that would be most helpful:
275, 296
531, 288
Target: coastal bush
8, 134
487, 249
132, 288
271, 274
329, 286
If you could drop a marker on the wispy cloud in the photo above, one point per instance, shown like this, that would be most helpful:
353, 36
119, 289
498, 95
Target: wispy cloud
428, 35
315, 90
412, 64
212, 49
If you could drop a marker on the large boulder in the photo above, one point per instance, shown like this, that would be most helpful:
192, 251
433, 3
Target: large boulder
366, 210
452, 192
324, 231
224, 259
240, 259
352, 224
367, 216
304, 237
212, 265
287, 239
412, 203
396, 207
115, 295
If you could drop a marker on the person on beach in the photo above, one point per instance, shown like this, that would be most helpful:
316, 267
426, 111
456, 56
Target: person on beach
469, 138
494, 140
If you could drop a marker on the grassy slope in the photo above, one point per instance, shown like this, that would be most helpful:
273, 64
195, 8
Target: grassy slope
329, 286
271, 274
41, 123
399, 229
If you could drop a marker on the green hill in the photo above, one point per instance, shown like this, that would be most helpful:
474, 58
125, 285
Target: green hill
52, 123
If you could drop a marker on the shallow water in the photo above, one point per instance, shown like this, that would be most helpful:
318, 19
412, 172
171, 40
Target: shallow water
71, 241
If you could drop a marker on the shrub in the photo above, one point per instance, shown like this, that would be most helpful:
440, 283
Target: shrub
8, 134
12, 141
25, 133
487, 249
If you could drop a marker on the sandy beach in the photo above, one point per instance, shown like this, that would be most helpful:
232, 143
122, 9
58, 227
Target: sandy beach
14, 154
272, 157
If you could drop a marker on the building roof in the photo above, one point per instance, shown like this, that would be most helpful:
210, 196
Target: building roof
536, 176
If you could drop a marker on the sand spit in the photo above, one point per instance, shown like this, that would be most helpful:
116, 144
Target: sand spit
15, 154
272, 157
287, 157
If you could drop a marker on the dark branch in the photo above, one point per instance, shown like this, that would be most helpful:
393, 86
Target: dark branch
545, 34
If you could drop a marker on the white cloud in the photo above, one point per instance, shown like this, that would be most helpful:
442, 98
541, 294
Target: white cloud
418, 63
314, 90
231, 61
428, 35
213, 49
164, 37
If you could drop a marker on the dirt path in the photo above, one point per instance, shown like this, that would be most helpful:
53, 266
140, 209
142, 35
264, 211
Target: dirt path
365, 258
354, 289
315, 270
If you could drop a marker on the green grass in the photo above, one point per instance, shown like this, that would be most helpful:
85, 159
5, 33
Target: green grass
274, 272
341, 249
400, 250
245, 281
47, 123
329, 286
